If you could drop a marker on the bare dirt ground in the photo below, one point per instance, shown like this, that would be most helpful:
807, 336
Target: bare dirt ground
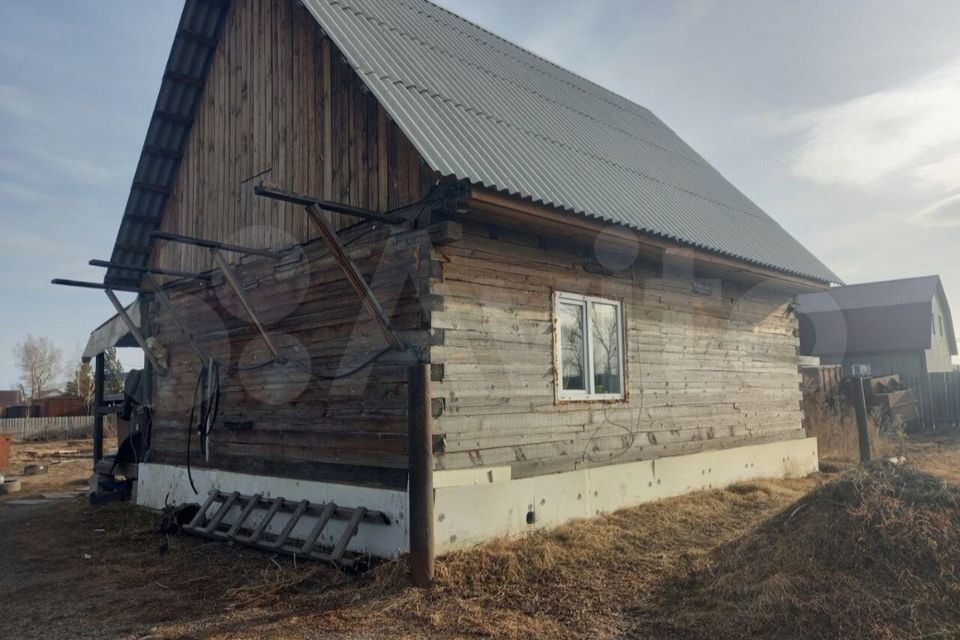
68, 570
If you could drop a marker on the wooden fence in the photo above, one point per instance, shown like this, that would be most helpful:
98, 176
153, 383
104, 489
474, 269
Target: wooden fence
939, 397
47, 428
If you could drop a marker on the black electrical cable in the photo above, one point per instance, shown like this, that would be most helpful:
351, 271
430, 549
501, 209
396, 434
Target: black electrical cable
193, 406
319, 376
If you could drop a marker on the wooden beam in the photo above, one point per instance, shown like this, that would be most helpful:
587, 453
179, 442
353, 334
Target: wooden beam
566, 224
354, 277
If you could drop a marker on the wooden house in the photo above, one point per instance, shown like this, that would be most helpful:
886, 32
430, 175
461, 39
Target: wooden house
893, 327
337, 195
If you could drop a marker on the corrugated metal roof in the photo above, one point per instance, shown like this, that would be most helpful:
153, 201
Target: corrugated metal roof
872, 317
484, 110
886, 293
166, 142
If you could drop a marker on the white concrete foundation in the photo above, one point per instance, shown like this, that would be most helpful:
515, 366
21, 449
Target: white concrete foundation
476, 505
470, 514
161, 484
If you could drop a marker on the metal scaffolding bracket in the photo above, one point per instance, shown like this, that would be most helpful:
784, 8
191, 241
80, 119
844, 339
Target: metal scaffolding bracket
216, 250
131, 326
317, 212
211, 244
151, 270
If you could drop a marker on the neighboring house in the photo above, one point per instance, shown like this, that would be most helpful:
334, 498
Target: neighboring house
9, 398
895, 326
606, 319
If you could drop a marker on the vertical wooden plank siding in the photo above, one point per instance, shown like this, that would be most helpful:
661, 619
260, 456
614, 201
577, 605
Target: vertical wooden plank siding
282, 104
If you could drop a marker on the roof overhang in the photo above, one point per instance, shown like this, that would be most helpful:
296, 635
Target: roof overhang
113, 333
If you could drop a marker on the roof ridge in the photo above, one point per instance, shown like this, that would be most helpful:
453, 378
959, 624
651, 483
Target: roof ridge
876, 282
699, 161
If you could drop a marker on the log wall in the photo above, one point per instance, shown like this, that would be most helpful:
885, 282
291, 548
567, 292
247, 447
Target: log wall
279, 419
282, 105
703, 371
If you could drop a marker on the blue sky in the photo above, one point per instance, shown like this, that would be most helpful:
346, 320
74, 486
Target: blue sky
839, 119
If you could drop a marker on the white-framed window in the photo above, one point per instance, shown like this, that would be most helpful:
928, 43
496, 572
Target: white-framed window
588, 347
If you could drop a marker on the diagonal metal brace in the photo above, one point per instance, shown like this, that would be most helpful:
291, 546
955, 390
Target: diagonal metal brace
234, 283
168, 305
354, 277
127, 320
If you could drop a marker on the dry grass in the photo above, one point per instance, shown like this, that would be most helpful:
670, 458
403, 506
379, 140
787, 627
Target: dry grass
869, 554
833, 423
873, 554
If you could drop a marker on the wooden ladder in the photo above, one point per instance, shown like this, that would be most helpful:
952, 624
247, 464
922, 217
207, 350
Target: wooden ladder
212, 524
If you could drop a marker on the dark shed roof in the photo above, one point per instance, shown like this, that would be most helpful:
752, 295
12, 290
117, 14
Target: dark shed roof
872, 317
481, 109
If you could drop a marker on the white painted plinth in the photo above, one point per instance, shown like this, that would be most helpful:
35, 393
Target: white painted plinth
476, 505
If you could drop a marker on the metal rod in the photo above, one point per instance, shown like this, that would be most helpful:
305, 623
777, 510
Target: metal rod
296, 198
152, 270
354, 277
79, 283
231, 279
168, 305
420, 443
210, 244
134, 331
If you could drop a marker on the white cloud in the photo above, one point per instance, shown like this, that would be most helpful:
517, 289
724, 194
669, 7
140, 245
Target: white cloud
942, 213
862, 141
944, 173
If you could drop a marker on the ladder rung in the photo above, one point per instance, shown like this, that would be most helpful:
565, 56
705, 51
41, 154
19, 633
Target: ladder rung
262, 527
322, 521
247, 510
348, 533
197, 519
291, 523
222, 512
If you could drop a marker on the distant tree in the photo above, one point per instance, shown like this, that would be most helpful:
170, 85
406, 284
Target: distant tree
81, 383
114, 372
40, 362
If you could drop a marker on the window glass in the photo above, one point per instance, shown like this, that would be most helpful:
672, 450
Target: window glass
573, 359
605, 329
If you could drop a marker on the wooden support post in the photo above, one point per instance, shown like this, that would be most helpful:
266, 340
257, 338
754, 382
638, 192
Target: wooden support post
98, 380
859, 397
420, 446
